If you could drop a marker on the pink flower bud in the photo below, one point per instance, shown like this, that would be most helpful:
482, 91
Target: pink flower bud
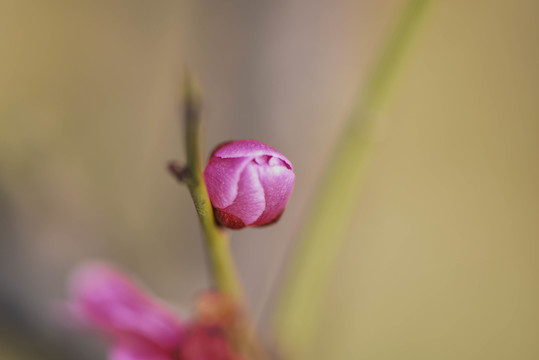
203, 342
249, 183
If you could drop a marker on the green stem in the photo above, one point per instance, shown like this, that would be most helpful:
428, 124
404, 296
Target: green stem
298, 313
221, 263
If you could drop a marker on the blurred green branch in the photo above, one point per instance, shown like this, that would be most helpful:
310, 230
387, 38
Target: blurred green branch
298, 313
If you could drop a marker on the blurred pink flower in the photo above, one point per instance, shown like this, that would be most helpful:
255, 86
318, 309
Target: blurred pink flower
139, 327
249, 183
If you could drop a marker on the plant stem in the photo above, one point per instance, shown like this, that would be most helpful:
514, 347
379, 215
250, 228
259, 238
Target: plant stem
299, 312
222, 267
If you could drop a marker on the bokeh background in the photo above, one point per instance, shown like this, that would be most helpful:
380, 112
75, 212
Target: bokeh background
441, 262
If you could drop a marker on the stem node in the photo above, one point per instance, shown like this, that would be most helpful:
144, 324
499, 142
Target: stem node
179, 172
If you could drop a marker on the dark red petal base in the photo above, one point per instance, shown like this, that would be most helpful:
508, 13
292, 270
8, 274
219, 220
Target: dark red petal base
228, 220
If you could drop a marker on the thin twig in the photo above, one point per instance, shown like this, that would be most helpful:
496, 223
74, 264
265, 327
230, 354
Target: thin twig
181, 173
222, 267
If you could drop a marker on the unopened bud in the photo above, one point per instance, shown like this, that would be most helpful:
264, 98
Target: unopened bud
249, 183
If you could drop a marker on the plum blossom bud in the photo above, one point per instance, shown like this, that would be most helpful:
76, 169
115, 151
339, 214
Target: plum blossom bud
217, 308
249, 183
206, 342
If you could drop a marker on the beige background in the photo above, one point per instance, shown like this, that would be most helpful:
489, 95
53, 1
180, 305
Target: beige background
441, 262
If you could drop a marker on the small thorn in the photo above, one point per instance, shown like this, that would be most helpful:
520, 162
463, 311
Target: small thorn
177, 170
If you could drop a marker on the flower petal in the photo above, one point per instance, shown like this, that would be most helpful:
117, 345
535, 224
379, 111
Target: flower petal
222, 177
248, 148
105, 298
131, 350
278, 182
249, 203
